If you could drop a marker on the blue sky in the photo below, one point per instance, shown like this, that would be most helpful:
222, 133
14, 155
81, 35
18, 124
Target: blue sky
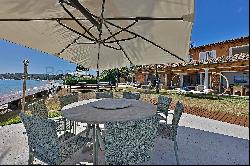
215, 20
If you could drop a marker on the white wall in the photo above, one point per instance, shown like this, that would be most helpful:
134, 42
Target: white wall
231, 75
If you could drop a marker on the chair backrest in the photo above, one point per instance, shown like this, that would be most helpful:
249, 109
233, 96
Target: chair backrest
68, 99
131, 95
39, 109
169, 131
179, 108
100, 95
129, 142
42, 138
163, 103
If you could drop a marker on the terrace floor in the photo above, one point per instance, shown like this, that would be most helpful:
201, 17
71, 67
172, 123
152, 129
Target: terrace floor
201, 141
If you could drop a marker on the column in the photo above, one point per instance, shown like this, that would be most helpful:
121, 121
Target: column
146, 78
220, 90
206, 78
201, 82
181, 81
166, 80
210, 81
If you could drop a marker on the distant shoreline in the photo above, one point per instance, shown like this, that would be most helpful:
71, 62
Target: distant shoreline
14, 87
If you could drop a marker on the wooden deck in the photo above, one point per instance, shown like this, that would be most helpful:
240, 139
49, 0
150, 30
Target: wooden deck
220, 116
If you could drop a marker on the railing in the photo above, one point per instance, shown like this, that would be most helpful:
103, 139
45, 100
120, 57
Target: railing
17, 96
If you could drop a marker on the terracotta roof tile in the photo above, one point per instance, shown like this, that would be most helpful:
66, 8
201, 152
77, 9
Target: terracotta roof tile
222, 42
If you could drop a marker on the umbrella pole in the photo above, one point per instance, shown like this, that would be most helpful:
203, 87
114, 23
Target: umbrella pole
99, 44
25, 63
157, 79
98, 79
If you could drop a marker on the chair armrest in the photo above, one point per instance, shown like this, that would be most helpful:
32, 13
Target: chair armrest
161, 116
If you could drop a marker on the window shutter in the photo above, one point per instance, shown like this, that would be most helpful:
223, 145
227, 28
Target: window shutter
230, 51
202, 55
214, 53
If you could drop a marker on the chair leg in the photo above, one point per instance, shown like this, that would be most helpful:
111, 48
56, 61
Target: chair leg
31, 157
176, 154
75, 127
65, 125
166, 114
88, 129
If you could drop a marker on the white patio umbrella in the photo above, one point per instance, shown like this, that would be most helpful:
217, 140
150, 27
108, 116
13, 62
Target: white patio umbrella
101, 34
111, 33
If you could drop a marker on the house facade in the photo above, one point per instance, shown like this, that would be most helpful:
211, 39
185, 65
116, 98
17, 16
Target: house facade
216, 66
225, 48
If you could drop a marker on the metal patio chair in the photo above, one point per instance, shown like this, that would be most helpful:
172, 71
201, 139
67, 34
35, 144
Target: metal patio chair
39, 109
169, 131
45, 145
129, 142
163, 106
131, 95
67, 124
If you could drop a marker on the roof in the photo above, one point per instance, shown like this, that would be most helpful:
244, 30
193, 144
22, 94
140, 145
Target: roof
218, 60
222, 42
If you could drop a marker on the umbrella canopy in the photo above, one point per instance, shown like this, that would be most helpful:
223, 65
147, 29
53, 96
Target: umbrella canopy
112, 33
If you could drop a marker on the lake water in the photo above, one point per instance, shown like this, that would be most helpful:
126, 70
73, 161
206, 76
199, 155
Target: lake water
12, 86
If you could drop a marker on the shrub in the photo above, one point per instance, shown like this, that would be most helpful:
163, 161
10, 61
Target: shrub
53, 114
17, 119
75, 80
14, 120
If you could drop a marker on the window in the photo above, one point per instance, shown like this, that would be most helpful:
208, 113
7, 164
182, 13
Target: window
190, 58
241, 79
207, 55
238, 50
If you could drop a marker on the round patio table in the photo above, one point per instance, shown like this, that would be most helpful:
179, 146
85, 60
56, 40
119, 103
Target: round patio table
99, 111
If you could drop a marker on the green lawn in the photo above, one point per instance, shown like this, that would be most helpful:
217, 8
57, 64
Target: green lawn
229, 104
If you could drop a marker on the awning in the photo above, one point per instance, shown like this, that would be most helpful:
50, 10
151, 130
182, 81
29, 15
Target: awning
141, 32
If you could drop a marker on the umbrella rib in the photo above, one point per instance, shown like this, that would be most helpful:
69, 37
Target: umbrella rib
111, 47
110, 23
145, 18
75, 40
82, 19
87, 43
122, 49
104, 40
72, 43
121, 40
75, 31
77, 21
84, 11
40, 19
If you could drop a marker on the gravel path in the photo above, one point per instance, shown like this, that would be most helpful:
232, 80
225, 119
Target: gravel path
200, 141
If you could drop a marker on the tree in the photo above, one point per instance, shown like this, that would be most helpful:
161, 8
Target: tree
114, 75
109, 76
